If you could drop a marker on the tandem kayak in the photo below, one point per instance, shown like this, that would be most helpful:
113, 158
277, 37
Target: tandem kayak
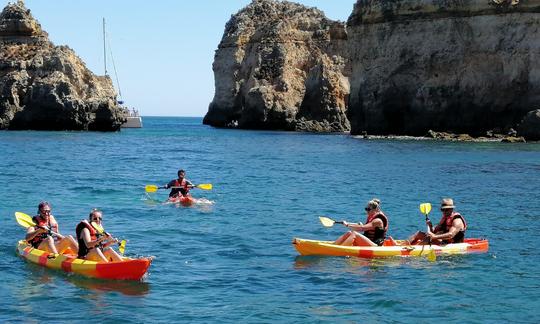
183, 200
389, 249
128, 269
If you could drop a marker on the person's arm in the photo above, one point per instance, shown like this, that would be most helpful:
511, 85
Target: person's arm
376, 223
457, 226
55, 228
32, 232
189, 184
88, 239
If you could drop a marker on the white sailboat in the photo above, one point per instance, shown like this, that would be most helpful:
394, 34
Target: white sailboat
134, 120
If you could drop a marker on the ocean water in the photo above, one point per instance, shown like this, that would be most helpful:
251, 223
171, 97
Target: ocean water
231, 259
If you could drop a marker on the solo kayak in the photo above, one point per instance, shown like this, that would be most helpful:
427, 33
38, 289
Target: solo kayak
389, 249
183, 200
128, 269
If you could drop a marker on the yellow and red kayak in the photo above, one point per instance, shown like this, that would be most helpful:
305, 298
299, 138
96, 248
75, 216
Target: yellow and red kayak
389, 249
128, 269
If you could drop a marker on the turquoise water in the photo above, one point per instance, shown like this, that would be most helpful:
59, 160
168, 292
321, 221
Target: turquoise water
232, 261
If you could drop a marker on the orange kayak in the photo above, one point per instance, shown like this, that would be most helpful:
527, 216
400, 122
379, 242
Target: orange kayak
128, 269
183, 200
389, 249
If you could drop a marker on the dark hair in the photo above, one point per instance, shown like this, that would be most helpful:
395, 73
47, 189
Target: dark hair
43, 204
181, 171
93, 211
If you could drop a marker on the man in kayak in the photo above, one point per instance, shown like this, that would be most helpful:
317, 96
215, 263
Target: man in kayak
180, 186
46, 236
451, 227
374, 230
94, 245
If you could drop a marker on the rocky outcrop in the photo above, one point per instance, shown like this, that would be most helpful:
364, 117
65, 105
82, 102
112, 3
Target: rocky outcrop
47, 87
530, 126
410, 66
281, 65
460, 67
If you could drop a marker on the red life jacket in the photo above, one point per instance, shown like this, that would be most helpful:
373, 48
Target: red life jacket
83, 249
446, 223
377, 235
40, 222
182, 184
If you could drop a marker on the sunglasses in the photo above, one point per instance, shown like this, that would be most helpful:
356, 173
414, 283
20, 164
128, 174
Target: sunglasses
98, 218
368, 209
46, 211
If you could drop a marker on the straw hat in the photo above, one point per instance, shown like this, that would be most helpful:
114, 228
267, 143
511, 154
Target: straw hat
447, 203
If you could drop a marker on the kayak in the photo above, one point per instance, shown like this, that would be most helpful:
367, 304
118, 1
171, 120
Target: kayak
128, 269
183, 200
389, 248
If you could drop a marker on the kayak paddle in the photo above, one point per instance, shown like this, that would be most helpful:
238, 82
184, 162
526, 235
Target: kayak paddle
425, 208
24, 220
154, 188
121, 244
328, 222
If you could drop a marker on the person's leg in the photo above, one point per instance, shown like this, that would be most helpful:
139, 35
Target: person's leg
342, 238
416, 238
48, 245
361, 240
96, 255
111, 255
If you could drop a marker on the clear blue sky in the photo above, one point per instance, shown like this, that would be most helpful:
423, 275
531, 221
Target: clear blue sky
163, 50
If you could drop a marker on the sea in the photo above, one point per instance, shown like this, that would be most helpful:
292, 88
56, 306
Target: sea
229, 258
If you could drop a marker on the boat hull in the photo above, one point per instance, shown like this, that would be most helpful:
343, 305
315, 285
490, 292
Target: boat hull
313, 247
183, 200
129, 269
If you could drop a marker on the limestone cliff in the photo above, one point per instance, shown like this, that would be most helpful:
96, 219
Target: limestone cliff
459, 66
280, 65
47, 87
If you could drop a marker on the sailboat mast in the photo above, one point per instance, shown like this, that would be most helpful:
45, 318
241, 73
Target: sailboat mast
104, 48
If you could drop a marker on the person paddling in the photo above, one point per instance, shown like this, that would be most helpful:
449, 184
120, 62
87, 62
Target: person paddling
451, 227
180, 186
45, 235
374, 230
92, 244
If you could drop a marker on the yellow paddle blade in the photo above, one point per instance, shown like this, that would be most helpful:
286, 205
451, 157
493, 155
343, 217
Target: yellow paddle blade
425, 208
205, 186
24, 220
151, 188
431, 256
98, 227
122, 247
327, 222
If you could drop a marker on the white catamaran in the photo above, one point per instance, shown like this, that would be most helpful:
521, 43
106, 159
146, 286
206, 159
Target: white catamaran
134, 120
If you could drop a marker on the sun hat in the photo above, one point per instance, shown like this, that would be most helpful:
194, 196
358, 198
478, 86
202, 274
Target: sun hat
447, 203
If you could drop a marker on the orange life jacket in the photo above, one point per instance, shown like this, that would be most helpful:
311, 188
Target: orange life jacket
446, 223
377, 235
41, 222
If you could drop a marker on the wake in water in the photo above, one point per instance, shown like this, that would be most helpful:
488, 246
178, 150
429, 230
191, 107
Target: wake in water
203, 203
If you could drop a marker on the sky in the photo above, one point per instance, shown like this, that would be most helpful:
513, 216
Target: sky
163, 49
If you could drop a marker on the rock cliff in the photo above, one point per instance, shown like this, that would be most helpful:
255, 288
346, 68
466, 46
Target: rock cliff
459, 66
47, 87
280, 65
400, 67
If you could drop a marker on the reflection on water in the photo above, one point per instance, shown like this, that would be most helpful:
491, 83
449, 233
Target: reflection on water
129, 288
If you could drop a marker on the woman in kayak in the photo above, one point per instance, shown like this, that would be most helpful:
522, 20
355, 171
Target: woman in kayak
94, 245
451, 227
46, 236
374, 230
180, 186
